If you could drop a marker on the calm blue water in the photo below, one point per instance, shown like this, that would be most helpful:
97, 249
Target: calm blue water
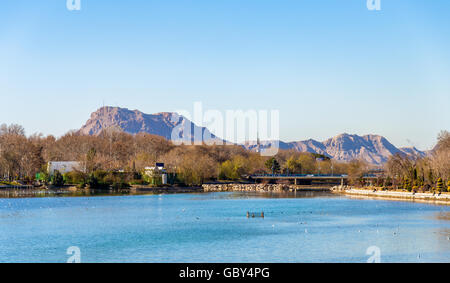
214, 228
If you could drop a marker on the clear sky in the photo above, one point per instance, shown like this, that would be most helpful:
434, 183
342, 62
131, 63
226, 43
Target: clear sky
329, 66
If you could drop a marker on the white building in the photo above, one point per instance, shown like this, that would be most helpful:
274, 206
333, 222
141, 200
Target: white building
157, 171
64, 167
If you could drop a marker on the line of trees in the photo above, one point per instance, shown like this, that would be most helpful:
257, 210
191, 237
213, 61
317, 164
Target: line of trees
114, 151
429, 173
21, 157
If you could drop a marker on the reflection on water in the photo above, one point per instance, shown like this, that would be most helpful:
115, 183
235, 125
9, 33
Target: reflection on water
443, 216
14, 193
443, 234
269, 195
213, 227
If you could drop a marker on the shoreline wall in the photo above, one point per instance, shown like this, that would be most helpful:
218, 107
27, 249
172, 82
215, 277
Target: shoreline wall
429, 197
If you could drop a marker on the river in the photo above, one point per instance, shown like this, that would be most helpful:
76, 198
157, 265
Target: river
213, 227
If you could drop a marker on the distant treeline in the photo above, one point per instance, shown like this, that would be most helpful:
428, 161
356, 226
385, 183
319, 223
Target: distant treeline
113, 151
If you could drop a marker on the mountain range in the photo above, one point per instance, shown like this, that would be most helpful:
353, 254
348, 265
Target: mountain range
374, 149
134, 121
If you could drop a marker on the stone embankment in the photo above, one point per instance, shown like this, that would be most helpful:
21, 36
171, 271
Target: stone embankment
428, 197
278, 188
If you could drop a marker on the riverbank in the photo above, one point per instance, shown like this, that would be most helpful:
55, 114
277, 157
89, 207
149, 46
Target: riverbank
390, 195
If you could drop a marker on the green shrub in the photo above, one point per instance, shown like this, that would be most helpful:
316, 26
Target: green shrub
81, 186
273, 165
439, 185
139, 182
407, 184
94, 182
43, 176
57, 179
75, 177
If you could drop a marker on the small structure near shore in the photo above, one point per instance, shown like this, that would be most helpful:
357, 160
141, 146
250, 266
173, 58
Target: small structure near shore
255, 214
157, 174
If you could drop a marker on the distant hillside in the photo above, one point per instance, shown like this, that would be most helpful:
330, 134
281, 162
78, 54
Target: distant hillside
373, 149
134, 121
413, 151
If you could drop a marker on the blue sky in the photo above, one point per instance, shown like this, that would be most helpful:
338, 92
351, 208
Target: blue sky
329, 66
